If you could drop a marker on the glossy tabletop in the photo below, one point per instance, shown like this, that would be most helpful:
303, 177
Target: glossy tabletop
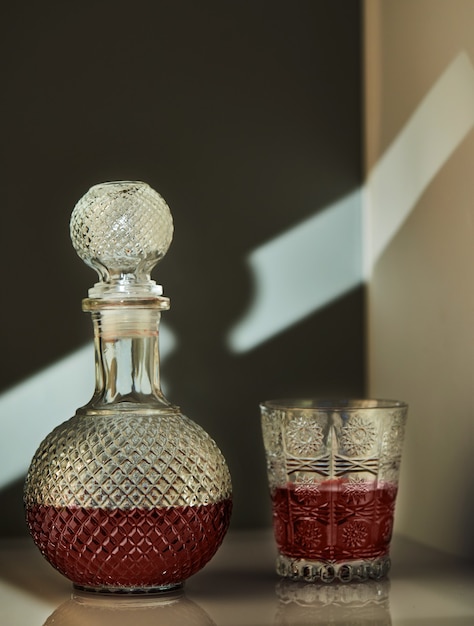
239, 587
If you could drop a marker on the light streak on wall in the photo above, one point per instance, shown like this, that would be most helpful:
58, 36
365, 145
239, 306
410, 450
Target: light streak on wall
307, 267
439, 124
302, 270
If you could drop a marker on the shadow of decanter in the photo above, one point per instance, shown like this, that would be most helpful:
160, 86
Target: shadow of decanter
95, 609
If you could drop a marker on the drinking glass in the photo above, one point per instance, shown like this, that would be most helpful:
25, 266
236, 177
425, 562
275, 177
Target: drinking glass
333, 468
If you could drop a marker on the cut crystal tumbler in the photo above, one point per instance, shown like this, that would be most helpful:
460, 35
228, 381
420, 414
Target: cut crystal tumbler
333, 470
129, 495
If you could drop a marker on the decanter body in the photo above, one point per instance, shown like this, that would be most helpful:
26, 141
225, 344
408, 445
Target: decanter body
129, 494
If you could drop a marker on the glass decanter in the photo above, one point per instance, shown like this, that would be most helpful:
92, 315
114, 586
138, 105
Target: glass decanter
128, 495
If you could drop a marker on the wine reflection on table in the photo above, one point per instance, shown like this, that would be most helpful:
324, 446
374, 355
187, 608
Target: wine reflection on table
96, 609
364, 603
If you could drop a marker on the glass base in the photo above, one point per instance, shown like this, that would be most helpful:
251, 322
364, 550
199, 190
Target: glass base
135, 591
328, 572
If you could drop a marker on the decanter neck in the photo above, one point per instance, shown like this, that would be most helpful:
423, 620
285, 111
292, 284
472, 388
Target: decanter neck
127, 362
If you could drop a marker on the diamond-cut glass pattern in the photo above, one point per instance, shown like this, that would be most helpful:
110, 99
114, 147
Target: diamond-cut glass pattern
125, 461
129, 548
129, 500
121, 226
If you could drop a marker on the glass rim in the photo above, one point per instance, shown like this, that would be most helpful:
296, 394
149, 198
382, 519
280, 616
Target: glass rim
331, 404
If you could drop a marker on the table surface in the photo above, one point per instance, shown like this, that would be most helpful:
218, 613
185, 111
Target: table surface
239, 587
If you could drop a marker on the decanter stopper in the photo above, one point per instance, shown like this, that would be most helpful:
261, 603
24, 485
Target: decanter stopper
122, 229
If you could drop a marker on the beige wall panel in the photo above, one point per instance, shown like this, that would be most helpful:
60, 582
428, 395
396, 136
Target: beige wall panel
421, 286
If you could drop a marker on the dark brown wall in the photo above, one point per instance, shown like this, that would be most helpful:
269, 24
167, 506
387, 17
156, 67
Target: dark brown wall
246, 117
